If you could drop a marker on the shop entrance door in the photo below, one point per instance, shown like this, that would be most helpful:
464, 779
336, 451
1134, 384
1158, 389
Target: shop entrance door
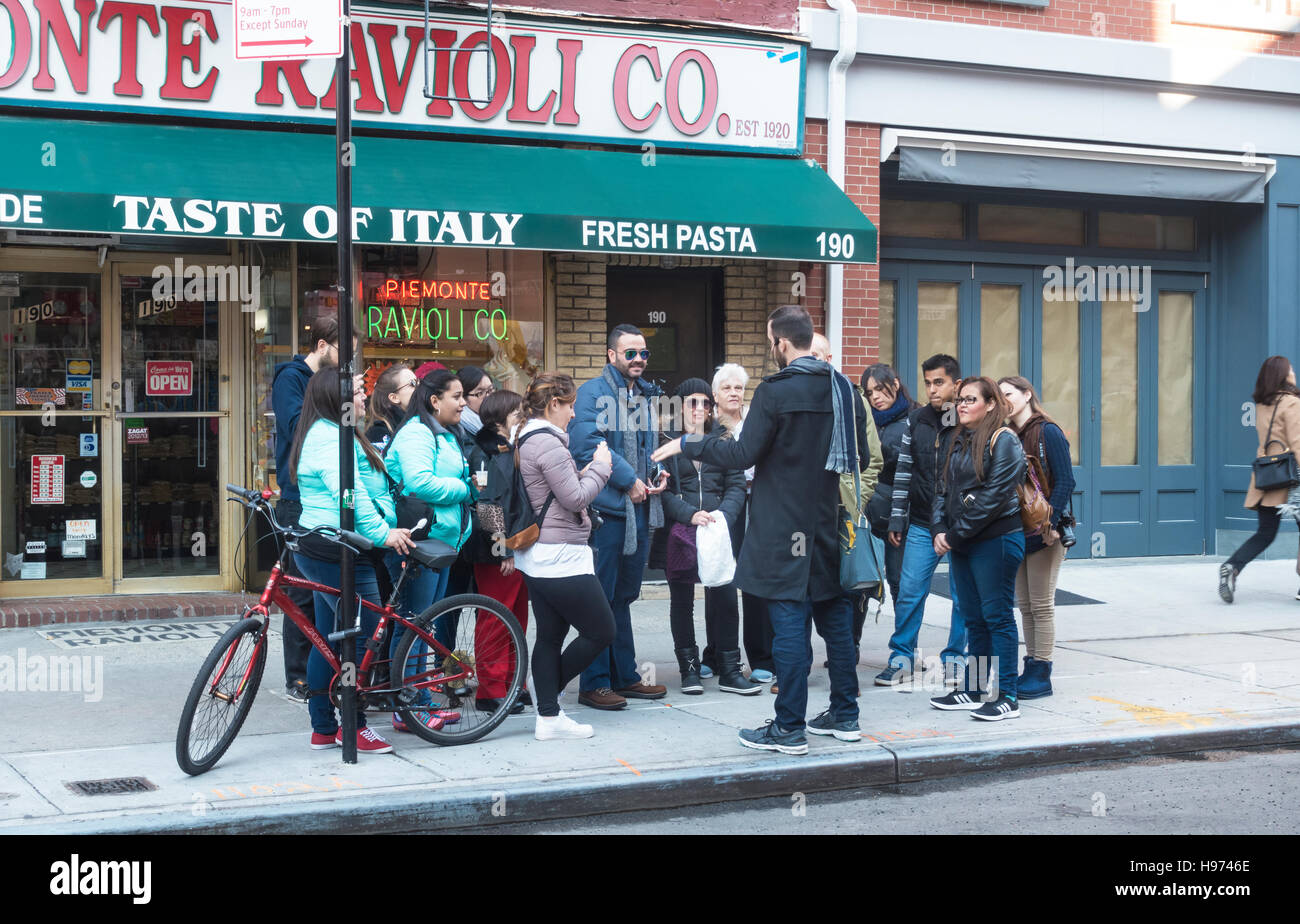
169, 395
677, 311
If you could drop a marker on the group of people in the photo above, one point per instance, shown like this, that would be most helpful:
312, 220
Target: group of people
620, 475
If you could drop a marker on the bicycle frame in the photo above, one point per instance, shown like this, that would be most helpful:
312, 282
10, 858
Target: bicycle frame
274, 593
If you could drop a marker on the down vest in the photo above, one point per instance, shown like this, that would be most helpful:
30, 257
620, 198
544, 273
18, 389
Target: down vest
547, 467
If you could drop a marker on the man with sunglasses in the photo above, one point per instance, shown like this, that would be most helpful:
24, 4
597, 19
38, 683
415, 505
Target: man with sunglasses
288, 384
620, 408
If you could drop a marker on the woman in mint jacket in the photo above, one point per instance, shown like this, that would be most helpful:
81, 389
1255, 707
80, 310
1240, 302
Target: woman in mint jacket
425, 458
314, 466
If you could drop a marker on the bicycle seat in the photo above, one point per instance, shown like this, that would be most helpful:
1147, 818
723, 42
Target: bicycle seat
434, 554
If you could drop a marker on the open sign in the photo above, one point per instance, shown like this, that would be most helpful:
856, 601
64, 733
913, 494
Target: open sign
169, 378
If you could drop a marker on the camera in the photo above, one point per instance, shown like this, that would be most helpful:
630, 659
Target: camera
1068, 523
597, 521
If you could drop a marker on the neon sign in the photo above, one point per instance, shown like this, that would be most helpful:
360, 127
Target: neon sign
407, 289
394, 322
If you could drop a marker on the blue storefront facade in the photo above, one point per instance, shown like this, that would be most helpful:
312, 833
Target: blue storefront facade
1118, 221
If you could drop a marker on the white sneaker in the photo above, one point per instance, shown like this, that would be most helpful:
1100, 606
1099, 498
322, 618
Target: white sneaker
559, 727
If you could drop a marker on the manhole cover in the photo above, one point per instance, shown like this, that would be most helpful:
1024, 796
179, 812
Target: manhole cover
111, 787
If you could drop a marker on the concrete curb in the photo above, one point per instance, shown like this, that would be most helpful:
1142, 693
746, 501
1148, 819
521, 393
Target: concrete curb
376, 812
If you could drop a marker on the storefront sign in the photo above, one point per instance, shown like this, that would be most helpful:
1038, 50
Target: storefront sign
39, 396
47, 479
33, 568
79, 529
79, 376
172, 378
89, 445
137, 436
560, 79
307, 29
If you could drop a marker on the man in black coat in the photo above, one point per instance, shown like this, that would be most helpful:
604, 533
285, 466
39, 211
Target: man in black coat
791, 552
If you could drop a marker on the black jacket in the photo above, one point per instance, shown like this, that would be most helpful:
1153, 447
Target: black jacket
711, 488
917, 463
791, 549
483, 447
288, 385
971, 510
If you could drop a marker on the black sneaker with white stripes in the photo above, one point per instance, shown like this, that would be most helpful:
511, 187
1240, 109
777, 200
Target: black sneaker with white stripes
1004, 707
956, 700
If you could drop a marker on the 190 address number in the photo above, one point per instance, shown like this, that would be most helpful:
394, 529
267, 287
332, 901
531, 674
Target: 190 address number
835, 245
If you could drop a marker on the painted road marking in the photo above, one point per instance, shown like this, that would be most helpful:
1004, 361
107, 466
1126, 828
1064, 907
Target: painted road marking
629, 766
135, 633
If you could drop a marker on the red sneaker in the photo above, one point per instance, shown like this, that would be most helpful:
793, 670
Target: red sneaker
367, 742
324, 742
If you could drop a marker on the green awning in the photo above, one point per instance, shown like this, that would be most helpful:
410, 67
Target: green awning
125, 178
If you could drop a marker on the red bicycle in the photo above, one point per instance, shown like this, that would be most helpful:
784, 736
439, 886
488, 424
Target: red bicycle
423, 675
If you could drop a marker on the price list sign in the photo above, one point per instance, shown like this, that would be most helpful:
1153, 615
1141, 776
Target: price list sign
47, 479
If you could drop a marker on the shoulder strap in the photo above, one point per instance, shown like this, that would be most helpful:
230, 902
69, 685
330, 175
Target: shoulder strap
1267, 436
550, 495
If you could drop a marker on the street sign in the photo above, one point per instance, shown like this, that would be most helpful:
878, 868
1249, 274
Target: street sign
288, 29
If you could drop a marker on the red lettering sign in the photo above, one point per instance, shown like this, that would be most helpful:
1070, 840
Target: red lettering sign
168, 378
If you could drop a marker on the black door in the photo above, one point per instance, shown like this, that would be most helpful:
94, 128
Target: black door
679, 310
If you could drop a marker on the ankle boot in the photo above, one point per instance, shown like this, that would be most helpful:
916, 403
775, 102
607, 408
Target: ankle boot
1024, 675
1038, 681
688, 662
730, 678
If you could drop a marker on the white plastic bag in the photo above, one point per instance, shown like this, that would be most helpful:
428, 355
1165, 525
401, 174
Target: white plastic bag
713, 555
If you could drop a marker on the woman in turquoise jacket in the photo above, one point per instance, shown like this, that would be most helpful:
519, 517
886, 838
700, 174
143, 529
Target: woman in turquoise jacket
426, 460
314, 466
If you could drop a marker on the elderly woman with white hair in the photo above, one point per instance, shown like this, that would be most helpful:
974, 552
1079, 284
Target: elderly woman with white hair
729, 384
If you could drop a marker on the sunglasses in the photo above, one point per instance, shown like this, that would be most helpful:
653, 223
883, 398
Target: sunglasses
698, 402
630, 355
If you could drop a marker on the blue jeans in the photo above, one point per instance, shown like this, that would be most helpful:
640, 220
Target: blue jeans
319, 672
986, 574
423, 588
919, 562
792, 625
620, 578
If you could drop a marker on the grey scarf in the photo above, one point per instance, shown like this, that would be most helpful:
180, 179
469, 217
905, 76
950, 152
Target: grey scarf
636, 409
840, 456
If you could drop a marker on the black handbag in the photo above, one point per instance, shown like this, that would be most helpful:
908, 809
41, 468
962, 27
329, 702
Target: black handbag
1279, 470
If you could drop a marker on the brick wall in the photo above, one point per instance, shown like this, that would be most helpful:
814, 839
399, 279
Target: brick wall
768, 14
861, 281
1134, 20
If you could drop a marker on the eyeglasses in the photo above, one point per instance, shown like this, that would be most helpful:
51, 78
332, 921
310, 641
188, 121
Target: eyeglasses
630, 355
482, 392
406, 385
969, 399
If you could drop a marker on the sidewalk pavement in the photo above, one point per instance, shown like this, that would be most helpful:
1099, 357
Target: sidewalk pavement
1159, 665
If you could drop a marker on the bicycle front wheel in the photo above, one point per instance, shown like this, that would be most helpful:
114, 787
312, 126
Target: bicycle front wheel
221, 696
465, 693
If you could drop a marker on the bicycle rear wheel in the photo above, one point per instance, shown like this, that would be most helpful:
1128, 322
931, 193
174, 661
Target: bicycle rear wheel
486, 645
221, 696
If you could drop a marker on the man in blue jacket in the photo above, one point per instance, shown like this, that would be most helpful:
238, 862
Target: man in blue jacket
620, 408
287, 387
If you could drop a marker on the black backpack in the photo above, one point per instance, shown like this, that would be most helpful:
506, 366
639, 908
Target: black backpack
504, 511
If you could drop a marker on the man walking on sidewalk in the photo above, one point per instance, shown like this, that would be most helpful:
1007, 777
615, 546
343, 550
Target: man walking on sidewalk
287, 387
800, 433
909, 520
619, 408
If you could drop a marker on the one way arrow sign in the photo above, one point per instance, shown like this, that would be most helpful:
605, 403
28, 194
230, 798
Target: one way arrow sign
280, 29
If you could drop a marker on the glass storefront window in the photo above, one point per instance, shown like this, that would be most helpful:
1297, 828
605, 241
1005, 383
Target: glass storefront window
1060, 392
459, 306
933, 220
1025, 224
885, 322
936, 323
1119, 383
999, 330
1177, 365
51, 478
1146, 232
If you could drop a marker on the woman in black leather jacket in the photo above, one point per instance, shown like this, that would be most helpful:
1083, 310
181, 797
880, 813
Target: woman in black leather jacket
976, 517
698, 492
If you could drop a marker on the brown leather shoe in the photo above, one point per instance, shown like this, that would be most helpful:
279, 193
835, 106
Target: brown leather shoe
644, 691
604, 698
773, 689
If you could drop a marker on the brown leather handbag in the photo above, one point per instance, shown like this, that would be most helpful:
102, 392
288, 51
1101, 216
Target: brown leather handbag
1035, 509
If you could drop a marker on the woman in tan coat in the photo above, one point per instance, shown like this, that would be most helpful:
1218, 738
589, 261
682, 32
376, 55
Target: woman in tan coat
1277, 418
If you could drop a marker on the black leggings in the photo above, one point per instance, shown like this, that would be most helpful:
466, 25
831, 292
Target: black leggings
721, 616
559, 603
1269, 520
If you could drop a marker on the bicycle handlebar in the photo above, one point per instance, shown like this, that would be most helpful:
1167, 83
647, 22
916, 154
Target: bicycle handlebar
259, 499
